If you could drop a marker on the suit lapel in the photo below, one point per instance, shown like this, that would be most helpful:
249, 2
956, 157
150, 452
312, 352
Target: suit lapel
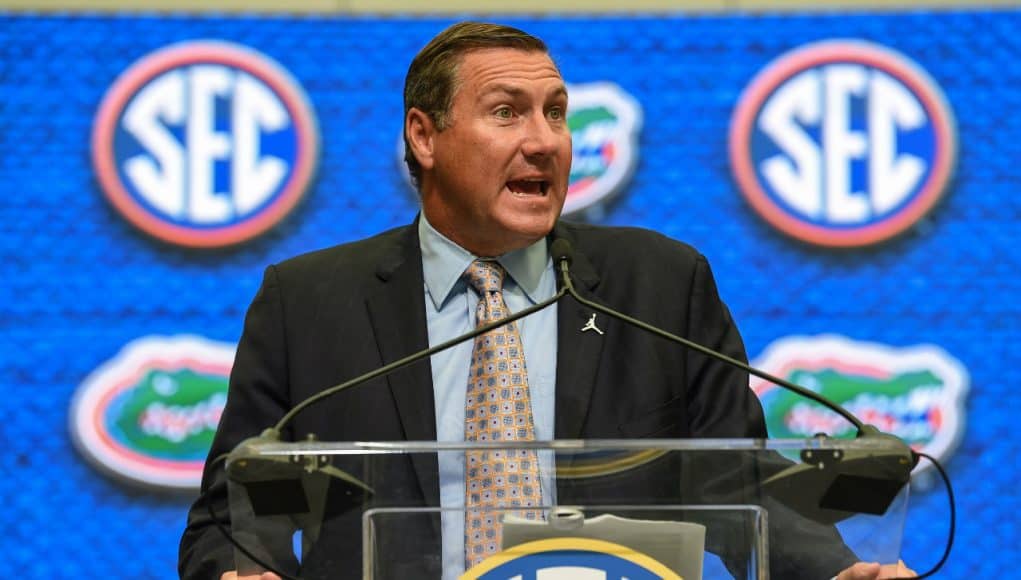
397, 315
578, 352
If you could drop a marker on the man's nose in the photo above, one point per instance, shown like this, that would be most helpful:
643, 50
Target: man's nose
542, 138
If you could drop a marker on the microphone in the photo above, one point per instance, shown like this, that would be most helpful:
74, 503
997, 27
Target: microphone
830, 485
562, 253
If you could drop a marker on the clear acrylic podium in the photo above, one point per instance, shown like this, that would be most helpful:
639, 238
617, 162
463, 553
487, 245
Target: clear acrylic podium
769, 508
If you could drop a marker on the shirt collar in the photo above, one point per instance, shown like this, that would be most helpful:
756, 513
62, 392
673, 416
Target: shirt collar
443, 263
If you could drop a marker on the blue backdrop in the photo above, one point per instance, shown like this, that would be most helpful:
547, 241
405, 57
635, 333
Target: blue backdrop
79, 282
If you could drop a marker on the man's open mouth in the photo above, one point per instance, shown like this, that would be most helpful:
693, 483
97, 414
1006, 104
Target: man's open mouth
525, 187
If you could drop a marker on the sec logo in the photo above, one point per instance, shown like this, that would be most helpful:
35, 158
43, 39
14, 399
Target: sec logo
204, 144
570, 558
842, 144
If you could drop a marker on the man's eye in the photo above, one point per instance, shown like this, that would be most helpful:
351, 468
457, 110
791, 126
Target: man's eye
557, 114
504, 113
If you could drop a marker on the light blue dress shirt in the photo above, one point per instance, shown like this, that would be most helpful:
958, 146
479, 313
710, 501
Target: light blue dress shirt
450, 311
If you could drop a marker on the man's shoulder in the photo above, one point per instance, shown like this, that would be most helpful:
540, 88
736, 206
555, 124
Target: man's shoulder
613, 243
353, 259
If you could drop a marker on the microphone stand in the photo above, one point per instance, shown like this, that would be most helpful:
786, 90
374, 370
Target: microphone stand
830, 485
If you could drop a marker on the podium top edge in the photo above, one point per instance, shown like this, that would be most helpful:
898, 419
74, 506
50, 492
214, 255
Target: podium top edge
574, 446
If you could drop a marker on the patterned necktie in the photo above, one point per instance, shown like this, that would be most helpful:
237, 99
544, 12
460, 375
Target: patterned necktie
498, 407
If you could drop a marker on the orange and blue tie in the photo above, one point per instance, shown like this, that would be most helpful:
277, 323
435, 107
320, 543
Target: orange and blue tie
498, 407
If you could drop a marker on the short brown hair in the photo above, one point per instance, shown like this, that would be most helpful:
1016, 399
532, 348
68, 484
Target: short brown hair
432, 77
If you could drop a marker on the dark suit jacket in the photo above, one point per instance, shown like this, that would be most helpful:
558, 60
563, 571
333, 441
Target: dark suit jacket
325, 317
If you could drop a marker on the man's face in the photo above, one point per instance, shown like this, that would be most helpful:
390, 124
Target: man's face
496, 178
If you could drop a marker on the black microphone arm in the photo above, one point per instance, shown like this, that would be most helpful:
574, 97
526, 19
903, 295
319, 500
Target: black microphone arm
830, 485
563, 253
279, 484
273, 433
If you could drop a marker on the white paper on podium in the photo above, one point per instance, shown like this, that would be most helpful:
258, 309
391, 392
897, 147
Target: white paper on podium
679, 546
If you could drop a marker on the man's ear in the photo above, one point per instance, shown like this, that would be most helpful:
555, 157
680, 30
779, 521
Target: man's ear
421, 132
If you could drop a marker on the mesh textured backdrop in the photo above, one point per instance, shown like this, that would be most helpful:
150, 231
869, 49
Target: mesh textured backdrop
80, 282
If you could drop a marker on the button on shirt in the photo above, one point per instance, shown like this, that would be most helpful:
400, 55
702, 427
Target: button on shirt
450, 312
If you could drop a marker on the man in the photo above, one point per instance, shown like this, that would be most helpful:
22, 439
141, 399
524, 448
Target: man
490, 151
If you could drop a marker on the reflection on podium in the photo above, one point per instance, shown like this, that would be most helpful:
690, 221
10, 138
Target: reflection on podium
687, 508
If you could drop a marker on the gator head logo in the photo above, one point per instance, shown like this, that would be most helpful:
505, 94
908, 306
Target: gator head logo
148, 415
916, 393
604, 122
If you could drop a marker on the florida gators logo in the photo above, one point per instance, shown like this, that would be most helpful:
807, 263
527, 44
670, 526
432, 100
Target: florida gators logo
916, 393
842, 144
605, 122
148, 415
204, 144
